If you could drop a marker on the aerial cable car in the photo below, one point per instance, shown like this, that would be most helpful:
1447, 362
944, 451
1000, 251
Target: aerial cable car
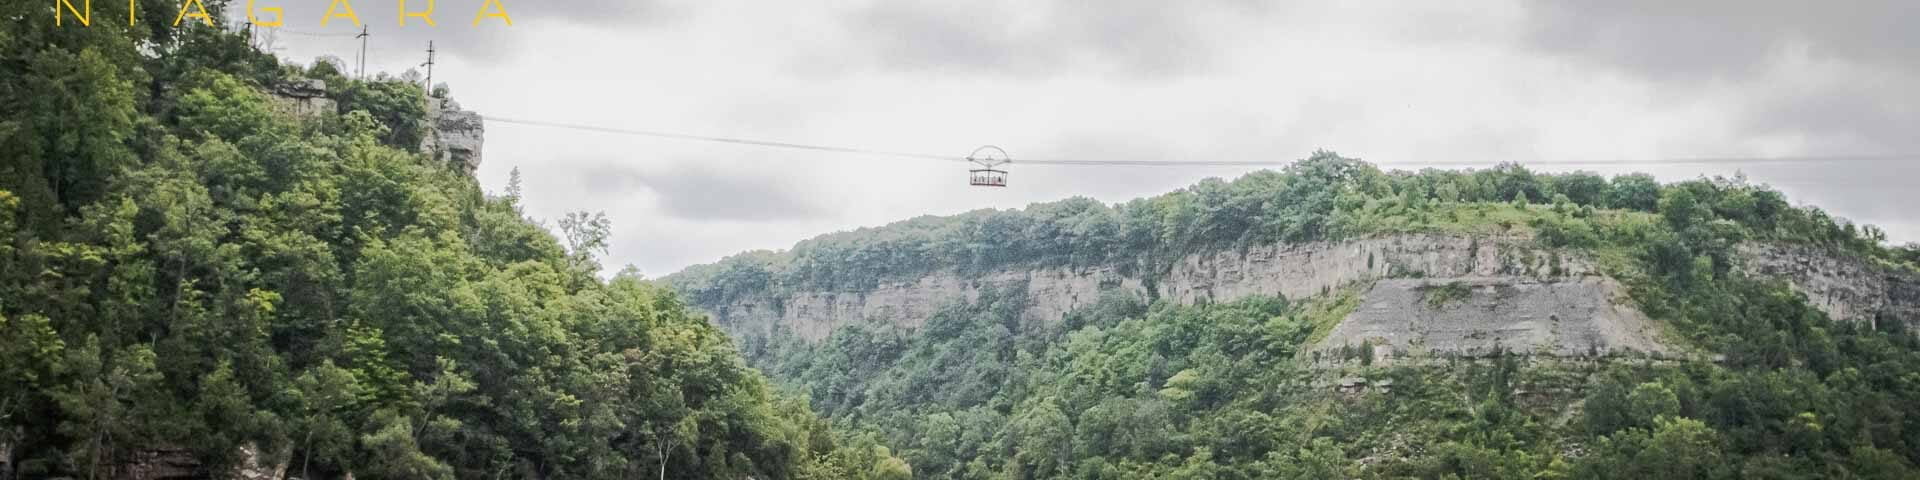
988, 157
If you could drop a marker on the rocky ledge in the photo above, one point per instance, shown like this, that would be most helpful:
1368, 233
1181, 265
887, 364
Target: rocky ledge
1479, 316
453, 136
1846, 288
1505, 294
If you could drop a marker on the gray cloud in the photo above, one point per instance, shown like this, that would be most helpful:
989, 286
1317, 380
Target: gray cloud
1726, 38
1867, 116
1842, 74
1131, 38
697, 192
491, 41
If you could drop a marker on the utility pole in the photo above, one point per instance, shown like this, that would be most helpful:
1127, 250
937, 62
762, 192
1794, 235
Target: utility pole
362, 71
429, 65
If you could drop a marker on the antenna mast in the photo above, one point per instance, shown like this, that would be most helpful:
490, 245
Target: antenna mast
429, 86
361, 72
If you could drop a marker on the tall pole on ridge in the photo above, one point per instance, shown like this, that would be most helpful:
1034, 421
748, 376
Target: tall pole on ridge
429, 65
362, 70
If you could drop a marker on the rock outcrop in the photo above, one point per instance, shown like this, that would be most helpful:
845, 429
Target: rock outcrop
1846, 288
1290, 270
1303, 270
251, 465
175, 463
453, 136
304, 98
161, 464
1586, 316
1513, 295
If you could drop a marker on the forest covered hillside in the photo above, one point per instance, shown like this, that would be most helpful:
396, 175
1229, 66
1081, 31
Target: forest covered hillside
198, 282
1197, 334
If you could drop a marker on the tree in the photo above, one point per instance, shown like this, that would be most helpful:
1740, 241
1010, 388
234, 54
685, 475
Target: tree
110, 403
81, 119
1512, 181
1043, 440
1447, 192
513, 186
326, 395
586, 236
1582, 188
1649, 402
1673, 448
1634, 192
1320, 458
393, 451
398, 104
30, 357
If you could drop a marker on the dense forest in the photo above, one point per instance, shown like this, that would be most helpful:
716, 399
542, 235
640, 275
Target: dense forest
188, 272
1136, 387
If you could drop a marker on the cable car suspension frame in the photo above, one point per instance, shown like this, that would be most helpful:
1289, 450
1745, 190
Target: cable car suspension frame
989, 173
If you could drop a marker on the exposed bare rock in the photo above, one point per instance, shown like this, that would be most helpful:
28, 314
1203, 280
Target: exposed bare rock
1304, 270
1517, 296
251, 467
453, 136
174, 463
1052, 293
1476, 316
1847, 288
1290, 270
161, 464
304, 98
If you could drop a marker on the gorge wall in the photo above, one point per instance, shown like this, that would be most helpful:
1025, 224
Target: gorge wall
1846, 288
1291, 270
1564, 317
1512, 295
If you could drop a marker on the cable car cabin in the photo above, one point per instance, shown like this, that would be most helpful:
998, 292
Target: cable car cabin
987, 177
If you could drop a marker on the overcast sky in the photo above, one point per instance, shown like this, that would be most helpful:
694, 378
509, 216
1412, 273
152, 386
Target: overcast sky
1388, 82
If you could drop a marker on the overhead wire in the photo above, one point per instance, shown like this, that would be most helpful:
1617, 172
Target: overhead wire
736, 141
313, 34
1196, 163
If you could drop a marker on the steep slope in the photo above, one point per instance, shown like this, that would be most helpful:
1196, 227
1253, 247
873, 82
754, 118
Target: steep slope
1476, 317
200, 281
1533, 281
1846, 288
1536, 282
1336, 321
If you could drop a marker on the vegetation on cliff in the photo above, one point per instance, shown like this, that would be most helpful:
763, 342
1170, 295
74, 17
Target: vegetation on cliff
1131, 389
184, 268
1144, 388
1319, 198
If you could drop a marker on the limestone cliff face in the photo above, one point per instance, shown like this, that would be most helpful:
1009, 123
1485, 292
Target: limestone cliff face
1846, 288
1290, 270
1566, 317
453, 136
1504, 294
1304, 270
